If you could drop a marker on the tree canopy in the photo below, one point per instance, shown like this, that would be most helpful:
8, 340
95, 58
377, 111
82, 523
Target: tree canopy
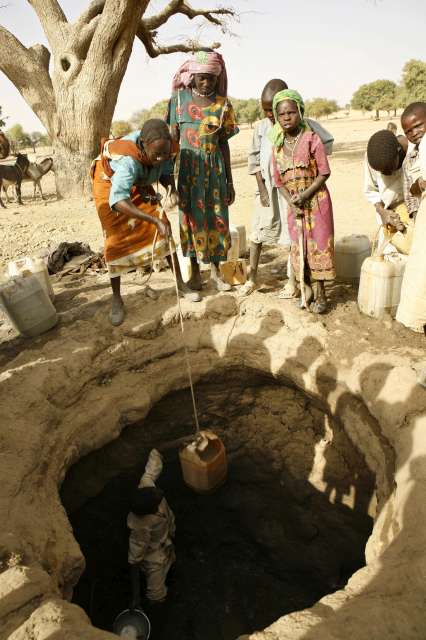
385, 95
413, 83
380, 94
318, 107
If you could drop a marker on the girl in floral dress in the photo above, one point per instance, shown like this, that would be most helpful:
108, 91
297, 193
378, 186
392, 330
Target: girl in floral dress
202, 120
301, 170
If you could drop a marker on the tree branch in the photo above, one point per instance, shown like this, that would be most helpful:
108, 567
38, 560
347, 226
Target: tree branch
42, 55
26, 69
94, 9
182, 7
148, 38
81, 38
52, 19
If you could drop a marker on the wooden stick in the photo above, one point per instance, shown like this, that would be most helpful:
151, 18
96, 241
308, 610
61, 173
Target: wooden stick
175, 444
299, 223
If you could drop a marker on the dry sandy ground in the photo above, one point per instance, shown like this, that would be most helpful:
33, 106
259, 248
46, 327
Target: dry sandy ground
36, 225
27, 229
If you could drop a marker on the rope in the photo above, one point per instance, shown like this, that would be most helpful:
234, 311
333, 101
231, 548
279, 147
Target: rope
185, 347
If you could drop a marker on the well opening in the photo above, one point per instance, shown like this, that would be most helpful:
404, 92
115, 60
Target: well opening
289, 526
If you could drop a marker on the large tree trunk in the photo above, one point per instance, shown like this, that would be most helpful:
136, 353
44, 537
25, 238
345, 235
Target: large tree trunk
76, 140
76, 103
86, 86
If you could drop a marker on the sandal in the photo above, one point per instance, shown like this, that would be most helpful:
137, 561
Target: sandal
247, 289
189, 294
116, 315
289, 291
151, 293
319, 306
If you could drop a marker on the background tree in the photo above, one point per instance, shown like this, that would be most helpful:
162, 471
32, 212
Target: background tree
2, 122
138, 118
17, 137
318, 107
250, 111
413, 83
159, 110
370, 97
120, 128
247, 110
35, 139
90, 58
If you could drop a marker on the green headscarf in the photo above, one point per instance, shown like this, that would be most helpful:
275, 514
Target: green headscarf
276, 134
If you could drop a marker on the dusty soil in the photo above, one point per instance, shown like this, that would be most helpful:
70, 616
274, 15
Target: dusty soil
29, 229
37, 224
73, 389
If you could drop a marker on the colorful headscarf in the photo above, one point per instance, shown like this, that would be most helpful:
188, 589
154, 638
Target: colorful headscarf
202, 62
276, 134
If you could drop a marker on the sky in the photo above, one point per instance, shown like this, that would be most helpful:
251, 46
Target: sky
324, 48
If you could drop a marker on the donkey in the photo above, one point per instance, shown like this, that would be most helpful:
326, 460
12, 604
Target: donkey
34, 173
14, 174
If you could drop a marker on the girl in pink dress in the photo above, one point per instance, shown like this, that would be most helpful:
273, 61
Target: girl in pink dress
300, 171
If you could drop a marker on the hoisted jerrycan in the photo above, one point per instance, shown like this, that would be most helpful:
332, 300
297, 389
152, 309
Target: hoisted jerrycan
203, 462
380, 286
36, 266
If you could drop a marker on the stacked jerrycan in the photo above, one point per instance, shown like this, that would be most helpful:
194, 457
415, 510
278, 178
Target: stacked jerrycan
26, 297
350, 252
238, 242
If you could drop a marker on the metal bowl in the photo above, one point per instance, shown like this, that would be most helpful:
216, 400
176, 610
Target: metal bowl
134, 619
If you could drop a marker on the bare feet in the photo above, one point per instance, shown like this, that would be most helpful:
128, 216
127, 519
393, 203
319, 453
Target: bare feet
216, 279
247, 289
309, 294
221, 285
290, 290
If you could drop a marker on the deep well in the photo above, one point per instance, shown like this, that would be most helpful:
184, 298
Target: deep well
320, 437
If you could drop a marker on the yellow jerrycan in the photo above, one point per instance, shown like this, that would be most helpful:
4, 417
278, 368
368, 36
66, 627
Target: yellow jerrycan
203, 462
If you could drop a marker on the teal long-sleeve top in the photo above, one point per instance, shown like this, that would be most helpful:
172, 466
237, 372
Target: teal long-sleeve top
128, 172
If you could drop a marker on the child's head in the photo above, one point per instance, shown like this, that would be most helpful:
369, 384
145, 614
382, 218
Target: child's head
204, 83
145, 501
392, 127
156, 141
269, 90
289, 110
413, 121
384, 152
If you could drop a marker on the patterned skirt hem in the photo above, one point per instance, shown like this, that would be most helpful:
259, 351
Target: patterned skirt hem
139, 259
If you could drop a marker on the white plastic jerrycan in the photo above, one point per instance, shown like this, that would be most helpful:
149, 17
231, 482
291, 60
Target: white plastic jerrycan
27, 305
350, 252
239, 243
380, 286
37, 266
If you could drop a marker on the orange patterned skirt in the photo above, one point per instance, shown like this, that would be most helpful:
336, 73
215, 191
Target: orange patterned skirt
129, 242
